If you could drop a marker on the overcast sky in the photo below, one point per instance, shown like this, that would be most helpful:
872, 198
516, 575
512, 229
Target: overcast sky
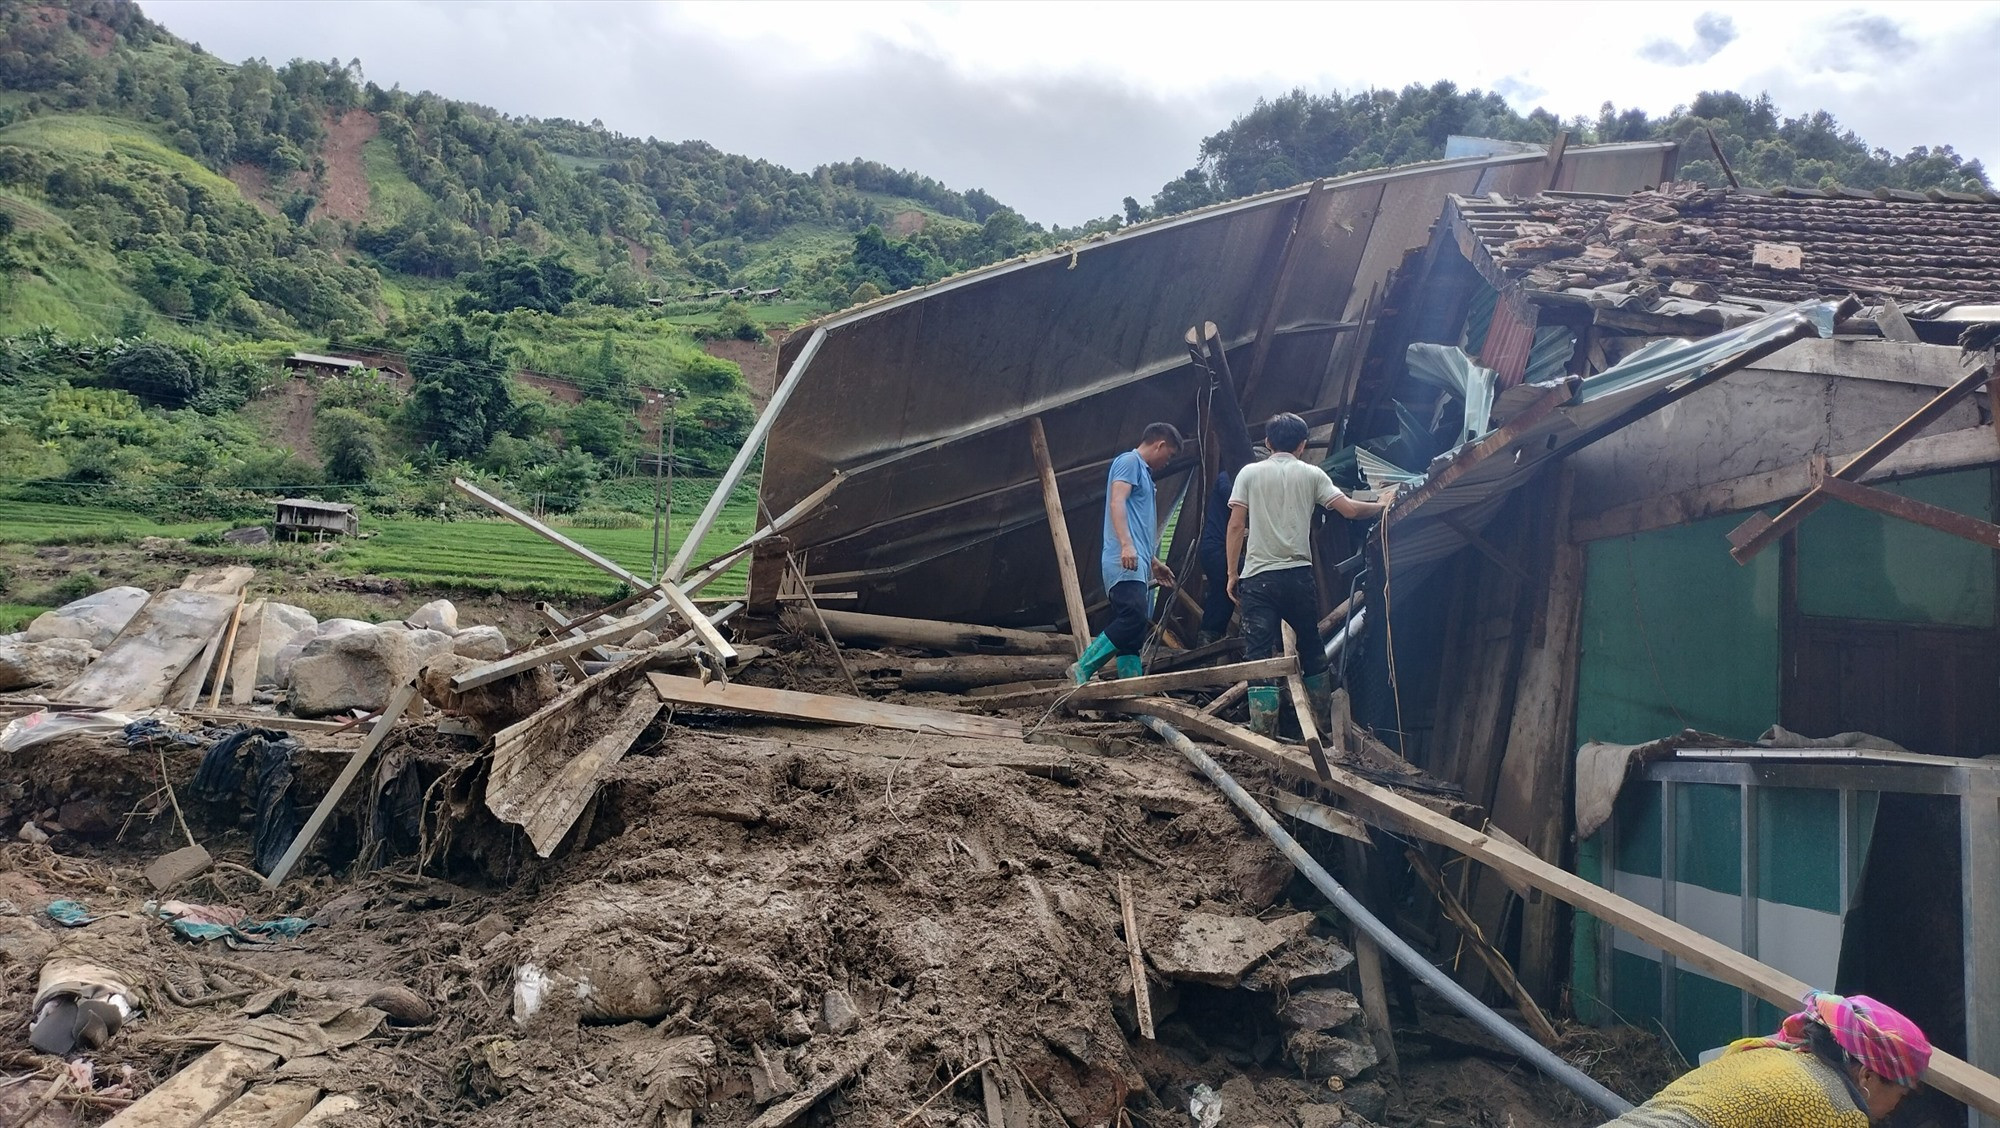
1063, 109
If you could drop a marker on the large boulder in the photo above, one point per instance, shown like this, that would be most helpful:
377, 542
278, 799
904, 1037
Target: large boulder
96, 619
282, 623
437, 615
483, 644
361, 669
288, 655
57, 662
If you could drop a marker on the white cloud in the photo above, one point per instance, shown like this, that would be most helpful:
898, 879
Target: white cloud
1064, 108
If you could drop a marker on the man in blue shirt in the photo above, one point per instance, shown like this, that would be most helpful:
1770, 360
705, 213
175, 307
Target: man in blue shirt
1131, 563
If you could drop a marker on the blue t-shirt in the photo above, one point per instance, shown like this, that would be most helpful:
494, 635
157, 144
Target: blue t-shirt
1129, 467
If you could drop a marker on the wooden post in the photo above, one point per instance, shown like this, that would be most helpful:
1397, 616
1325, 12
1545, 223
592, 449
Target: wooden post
1302, 706
1079, 619
1368, 970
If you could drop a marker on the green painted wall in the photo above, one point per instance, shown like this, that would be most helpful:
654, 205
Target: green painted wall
1676, 634
1798, 847
1856, 564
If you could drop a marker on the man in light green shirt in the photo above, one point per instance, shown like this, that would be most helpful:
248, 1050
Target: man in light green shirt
1271, 510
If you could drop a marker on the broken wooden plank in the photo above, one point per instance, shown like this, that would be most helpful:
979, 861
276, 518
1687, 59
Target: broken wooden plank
968, 673
323, 1113
752, 443
281, 1104
1384, 807
1937, 517
1496, 964
1146, 684
546, 805
681, 603
1302, 707
1079, 619
228, 653
242, 669
185, 693
165, 637
391, 713
1753, 536
190, 1097
794, 706
259, 720
616, 631
790, 1109
989, 1084
1142, 995
966, 638
1968, 446
1368, 972
564, 628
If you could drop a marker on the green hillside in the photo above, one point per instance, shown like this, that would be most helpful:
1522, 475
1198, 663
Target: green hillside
172, 226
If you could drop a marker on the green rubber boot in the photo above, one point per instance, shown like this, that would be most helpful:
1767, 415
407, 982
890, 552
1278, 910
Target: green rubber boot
1264, 710
1319, 691
1095, 655
1129, 666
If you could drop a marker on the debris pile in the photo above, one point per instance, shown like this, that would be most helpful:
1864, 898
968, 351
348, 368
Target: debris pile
625, 875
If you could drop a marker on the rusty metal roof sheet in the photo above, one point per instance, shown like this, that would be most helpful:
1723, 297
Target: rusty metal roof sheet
921, 399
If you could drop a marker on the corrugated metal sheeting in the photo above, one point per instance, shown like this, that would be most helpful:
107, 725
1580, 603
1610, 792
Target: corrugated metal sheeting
922, 399
1542, 422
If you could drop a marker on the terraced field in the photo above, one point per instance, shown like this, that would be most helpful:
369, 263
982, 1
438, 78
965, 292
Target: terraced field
488, 555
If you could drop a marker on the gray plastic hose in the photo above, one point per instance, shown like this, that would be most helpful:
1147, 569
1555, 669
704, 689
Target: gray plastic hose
1513, 1036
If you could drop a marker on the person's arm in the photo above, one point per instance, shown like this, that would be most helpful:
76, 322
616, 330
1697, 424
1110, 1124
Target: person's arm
1350, 508
1128, 556
1239, 534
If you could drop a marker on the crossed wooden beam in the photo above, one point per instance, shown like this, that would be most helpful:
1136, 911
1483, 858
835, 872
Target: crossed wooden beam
1760, 531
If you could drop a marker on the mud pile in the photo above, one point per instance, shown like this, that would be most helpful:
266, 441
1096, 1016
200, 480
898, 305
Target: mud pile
766, 925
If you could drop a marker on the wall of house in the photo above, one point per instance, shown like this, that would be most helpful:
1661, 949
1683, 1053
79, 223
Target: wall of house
1676, 634
1827, 397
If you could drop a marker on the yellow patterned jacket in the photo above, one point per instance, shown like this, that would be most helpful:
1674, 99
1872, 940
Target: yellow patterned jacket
1765, 1088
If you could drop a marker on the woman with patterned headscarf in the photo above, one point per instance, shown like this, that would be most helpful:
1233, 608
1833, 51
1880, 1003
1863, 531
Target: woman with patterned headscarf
1844, 1061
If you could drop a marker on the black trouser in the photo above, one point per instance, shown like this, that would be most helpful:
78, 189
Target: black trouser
1130, 621
1216, 606
1286, 595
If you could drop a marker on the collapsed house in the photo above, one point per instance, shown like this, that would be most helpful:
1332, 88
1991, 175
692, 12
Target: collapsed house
1602, 395
1681, 627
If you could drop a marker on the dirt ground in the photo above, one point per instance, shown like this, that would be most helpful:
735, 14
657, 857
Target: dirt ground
749, 912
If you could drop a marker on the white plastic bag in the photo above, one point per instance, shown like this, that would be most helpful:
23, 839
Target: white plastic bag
37, 728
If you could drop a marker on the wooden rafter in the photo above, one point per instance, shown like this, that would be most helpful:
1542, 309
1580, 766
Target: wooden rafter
1760, 531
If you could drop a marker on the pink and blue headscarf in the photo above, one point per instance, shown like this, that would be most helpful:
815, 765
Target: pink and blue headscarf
1873, 1034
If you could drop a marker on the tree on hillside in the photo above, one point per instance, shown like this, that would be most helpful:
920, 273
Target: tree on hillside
598, 428
350, 444
1298, 137
517, 280
462, 395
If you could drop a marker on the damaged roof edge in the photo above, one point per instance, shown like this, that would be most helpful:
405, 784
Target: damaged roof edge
846, 317
917, 397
